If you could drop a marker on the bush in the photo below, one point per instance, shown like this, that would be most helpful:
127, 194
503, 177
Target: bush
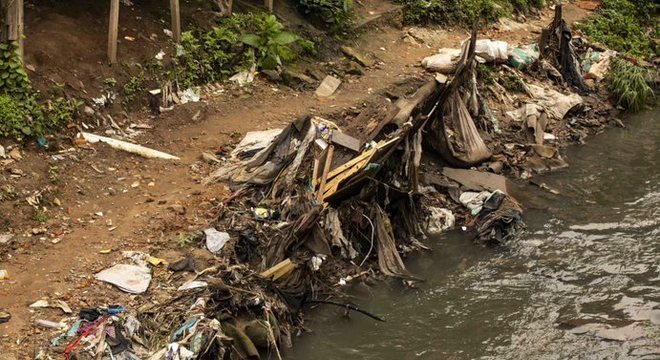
627, 84
465, 12
622, 25
336, 15
237, 42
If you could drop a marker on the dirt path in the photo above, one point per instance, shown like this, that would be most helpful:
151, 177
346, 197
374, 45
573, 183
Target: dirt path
141, 199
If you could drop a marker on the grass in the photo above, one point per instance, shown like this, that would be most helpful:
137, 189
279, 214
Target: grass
628, 86
629, 26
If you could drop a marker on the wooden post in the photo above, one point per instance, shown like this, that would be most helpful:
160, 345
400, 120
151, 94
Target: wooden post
113, 30
269, 5
176, 20
19, 25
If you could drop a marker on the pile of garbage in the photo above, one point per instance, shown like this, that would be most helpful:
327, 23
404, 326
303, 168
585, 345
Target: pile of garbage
315, 206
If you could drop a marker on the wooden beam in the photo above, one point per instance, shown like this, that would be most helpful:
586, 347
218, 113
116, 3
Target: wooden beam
269, 5
21, 27
113, 31
326, 170
176, 20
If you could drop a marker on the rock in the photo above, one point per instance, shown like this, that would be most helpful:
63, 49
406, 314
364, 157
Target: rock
316, 73
272, 75
15, 154
6, 238
361, 58
496, 167
296, 80
355, 68
328, 86
87, 110
178, 208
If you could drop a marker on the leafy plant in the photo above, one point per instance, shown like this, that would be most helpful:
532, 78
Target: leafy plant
134, 86
627, 84
271, 44
13, 78
206, 56
337, 15
465, 12
60, 111
626, 26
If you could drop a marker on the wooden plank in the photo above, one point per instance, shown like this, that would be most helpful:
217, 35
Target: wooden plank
113, 31
175, 10
346, 141
269, 5
315, 173
279, 270
326, 170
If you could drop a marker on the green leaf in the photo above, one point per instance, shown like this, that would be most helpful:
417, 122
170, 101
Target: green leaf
270, 62
251, 40
285, 38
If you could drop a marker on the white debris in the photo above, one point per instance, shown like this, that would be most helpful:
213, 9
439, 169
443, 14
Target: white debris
474, 200
132, 279
255, 141
189, 95
194, 284
492, 50
328, 86
440, 220
129, 147
316, 261
244, 77
160, 55
215, 240
443, 62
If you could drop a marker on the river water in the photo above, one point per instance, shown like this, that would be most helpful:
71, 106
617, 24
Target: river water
582, 282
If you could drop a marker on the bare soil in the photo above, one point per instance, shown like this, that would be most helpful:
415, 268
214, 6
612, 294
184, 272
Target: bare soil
146, 204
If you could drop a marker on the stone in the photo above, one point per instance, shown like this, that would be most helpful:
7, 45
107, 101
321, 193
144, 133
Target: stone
328, 86
356, 55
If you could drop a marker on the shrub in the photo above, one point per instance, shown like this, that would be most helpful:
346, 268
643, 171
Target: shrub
627, 84
465, 12
622, 25
237, 42
336, 15
271, 43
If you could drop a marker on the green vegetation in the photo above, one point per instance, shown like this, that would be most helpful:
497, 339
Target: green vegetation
337, 16
39, 216
237, 42
627, 84
20, 113
629, 26
134, 86
513, 82
464, 11
486, 75
271, 43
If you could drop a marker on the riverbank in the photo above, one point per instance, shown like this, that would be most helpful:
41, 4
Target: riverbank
581, 281
161, 214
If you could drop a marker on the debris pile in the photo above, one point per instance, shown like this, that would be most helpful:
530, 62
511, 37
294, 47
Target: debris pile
316, 205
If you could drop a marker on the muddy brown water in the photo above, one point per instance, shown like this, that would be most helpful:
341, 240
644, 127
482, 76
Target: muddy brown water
582, 282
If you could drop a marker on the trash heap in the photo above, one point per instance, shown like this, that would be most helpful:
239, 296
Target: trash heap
315, 206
